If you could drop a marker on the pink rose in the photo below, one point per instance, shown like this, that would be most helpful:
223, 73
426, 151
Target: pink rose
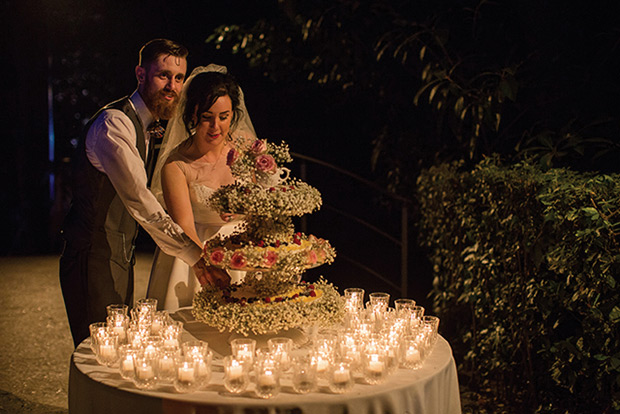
232, 156
216, 256
266, 164
270, 258
258, 147
237, 261
312, 257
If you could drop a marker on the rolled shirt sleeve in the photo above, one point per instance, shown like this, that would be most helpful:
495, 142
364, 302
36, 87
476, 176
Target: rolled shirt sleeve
111, 148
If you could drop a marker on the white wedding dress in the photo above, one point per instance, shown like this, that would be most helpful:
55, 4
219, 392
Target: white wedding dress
172, 282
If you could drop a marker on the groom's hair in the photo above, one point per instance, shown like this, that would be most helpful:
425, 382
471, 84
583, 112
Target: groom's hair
157, 47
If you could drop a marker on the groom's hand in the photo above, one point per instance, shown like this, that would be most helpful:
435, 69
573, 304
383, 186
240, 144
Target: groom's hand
212, 275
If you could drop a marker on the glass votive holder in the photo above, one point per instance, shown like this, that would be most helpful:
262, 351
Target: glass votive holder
350, 350
244, 349
404, 307
353, 319
145, 369
236, 378
281, 349
166, 362
374, 368
325, 343
185, 376
159, 321
322, 362
267, 372
340, 377
364, 330
171, 333
203, 367
117, 309
354, 299
412, 352
304, 374
137, 334
152, 345
375, 316
143, 311
146, 305
195, 348
417, 315
379, 300
389, 349
97, 330
127, 354
118, 324
106, 351
431, 323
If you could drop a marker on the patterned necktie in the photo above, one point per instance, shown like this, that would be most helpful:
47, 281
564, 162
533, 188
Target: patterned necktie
156, 131
156, 135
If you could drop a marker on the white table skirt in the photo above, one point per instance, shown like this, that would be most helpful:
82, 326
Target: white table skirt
96, 389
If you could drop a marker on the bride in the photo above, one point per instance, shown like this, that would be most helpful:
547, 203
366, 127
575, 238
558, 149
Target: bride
191, 165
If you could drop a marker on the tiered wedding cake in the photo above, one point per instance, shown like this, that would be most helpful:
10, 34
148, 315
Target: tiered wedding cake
272, 296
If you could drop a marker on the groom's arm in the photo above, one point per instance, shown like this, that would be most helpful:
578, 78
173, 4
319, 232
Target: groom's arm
111, 148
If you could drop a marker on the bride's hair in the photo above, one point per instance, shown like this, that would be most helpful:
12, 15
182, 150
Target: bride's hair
204, 89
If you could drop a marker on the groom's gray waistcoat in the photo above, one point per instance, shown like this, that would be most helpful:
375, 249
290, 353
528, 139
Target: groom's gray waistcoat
98, 220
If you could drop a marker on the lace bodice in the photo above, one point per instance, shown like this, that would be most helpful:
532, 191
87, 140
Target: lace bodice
202, 179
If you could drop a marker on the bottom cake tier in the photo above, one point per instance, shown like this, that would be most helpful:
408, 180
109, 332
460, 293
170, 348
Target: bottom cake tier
238, 309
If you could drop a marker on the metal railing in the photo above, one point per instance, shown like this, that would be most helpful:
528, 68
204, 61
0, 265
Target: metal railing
401, 241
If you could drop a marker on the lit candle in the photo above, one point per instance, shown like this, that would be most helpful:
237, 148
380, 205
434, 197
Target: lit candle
166, 364
412, 355
267, 379
321, 364
145, 372
127, 364
374, 365
120, 331
186, 374
244, 354
353, 355
155, 327
203, 368
342, 375
235, 372
107, 351
171, 342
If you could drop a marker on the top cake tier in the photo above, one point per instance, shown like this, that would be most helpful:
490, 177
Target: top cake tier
294, 198
263, 187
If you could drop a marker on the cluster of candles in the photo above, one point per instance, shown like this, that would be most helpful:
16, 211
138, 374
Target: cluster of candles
373, 341
145, 345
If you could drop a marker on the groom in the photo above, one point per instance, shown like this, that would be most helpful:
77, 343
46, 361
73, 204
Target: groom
112, 168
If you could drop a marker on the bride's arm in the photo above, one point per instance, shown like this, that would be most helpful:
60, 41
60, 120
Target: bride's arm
176, 196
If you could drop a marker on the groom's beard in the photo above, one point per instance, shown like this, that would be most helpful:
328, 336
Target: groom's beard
158, 104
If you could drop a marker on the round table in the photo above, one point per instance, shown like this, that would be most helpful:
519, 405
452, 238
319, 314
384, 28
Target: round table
94, 389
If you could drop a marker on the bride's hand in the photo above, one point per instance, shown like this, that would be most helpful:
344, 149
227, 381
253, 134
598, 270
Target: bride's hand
212, 275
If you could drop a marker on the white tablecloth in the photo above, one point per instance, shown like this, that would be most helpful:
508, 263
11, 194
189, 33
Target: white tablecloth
96, 389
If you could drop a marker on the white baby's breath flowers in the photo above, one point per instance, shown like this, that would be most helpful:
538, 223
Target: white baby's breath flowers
267, 247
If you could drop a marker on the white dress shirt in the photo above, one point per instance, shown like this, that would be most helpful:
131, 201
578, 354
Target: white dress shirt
111, 148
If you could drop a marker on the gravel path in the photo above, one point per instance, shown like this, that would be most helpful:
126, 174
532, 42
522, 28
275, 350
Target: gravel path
35, 341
